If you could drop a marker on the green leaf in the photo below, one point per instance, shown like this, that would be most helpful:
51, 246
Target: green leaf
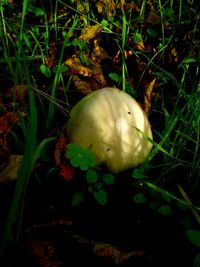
165, 210
115, 77
80, 157
90, 189
27, 41
196, 261
100, 196
189, 60
77, 198
61, 69
104, 23
36, 10
98, 186
139, 198
45, 70
108, 178
137, 37
35, 30
194, 237
91, 176
152, 33
138, 173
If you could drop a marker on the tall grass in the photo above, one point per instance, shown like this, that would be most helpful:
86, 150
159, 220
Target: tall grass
19, 69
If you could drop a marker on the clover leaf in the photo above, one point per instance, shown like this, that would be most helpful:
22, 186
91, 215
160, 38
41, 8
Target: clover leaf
80, 157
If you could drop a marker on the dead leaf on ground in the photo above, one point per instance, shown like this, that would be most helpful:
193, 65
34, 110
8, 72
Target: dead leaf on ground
98, 53
105, 7
86, 79
148, 95
20, 92
82, 7
9, 169
152, 18
66, 171
90, 32
131, 7
117, 255
76, 67
7, 121
42, 249
60, 148
51, 59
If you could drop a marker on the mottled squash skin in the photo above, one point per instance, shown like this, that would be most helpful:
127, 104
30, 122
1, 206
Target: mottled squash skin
113, 125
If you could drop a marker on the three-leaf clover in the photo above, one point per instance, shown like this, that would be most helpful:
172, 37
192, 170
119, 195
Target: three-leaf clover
80, 157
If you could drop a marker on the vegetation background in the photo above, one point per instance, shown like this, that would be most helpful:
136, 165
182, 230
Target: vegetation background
53, 53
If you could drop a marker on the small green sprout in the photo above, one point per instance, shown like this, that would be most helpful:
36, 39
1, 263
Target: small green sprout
80, 157
139, 198
165, 210
108, 178
77, 198
194, 236
101, 196
91, 176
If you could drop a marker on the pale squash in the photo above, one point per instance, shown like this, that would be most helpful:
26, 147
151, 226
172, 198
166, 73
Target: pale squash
114, 126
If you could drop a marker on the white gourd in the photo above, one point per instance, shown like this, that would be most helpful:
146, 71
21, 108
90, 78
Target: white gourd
114, 126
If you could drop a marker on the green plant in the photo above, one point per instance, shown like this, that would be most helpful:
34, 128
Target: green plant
84, 159
80, 157
194, 237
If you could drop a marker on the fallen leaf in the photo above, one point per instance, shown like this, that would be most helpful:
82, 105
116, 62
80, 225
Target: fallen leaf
86, 79
90, 32
148, 95
66, 171
10, 168
117, 255
76, 67
7, 121
152, 18
20, 92
43, 251
173, 56
50, 60
60, 148
98, 53
105, 7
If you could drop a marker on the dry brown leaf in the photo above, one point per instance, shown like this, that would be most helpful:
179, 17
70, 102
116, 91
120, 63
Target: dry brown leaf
6, 123
173, 56
90, 32
20, 91
43, 252
66, 171
98, 53
86, 79
83, 86
148, 95
60, 148
105, 7
131, 6
82, 6
51, 60
152, 18
76, 67
117, 255
10, 168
